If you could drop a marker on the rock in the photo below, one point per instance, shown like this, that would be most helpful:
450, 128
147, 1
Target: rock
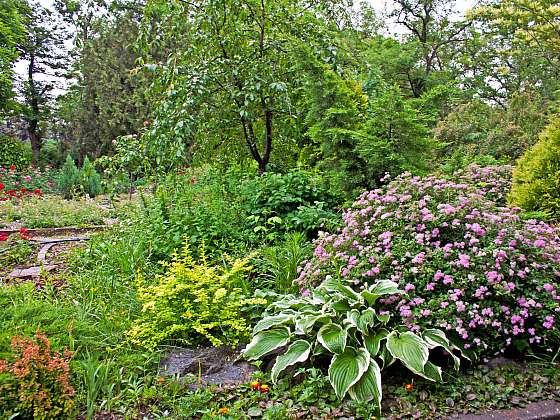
20, 273
210, 365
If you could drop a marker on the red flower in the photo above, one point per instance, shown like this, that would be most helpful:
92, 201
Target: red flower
2, 186
4, 236
12, 167
23, 190
38, 191
24, 234
193, 180
11, 192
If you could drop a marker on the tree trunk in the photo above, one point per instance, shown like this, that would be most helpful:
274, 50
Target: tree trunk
33, 119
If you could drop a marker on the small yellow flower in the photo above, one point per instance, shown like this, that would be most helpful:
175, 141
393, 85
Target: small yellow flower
255, 385
265, 388
223, 410
409, 387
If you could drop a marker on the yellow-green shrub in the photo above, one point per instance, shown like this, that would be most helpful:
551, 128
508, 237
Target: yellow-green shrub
536, 177
193, 303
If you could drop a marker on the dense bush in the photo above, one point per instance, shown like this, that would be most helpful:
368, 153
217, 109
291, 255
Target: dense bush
193, 303
277, 203
469, 267
35, 382
536, 178
14, 152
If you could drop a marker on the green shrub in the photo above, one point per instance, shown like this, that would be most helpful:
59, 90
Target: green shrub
35, 382
278, 203
90, 180
348, 328
193, 303
14, 152
50, 153
68, 182
536, 177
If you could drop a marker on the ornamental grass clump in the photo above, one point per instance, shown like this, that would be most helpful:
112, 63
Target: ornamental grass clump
468, 266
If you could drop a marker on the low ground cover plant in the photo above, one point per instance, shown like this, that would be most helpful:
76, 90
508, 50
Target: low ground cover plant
18, 184
469, 267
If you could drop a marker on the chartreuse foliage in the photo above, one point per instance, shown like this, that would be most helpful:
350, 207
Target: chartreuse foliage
536, 177
336, 321
193, 303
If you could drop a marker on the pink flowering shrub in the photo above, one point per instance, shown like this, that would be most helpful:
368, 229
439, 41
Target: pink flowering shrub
469, 267
493, 181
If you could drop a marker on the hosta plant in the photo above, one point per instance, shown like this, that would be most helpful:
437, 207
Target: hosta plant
336, 322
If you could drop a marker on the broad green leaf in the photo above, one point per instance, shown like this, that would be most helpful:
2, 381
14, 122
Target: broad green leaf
386, 357
297, 352
341, 305
373, 342
347, 368
368, 318
432, 372
272, 321
436, 338
381, 288
304, 324
410, 349
350, 294
369, 386
352, 318
267, 341
332, 337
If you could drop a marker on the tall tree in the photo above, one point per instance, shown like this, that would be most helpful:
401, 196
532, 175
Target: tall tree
107, 97
232, 78
12, 34
432, 32
44, 54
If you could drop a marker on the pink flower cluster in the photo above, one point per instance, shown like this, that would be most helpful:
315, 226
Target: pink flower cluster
468, 265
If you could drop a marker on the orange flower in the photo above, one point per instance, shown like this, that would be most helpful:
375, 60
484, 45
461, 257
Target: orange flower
409, 387
223, 410
255, 385
264, 388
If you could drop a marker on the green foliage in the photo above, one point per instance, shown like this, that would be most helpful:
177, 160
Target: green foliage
277, 264
277, 203
536, 177
193, 303
50, 211
335, 322
68, 182
15, 251
12, 33
14, 152
50, 153
90, 180
35, 382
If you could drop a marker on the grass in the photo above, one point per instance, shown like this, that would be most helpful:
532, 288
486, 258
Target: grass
52, 211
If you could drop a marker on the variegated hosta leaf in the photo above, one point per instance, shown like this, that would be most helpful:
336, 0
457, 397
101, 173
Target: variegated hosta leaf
369, 386
341, 305
305, 323
330, 284
367, 319
386, 357
297, 352
432, 372
332, 337
381, 288
272, 321
349, 293
410, 349
267, 341
436, 338
352, 318
347, 368
373, 342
